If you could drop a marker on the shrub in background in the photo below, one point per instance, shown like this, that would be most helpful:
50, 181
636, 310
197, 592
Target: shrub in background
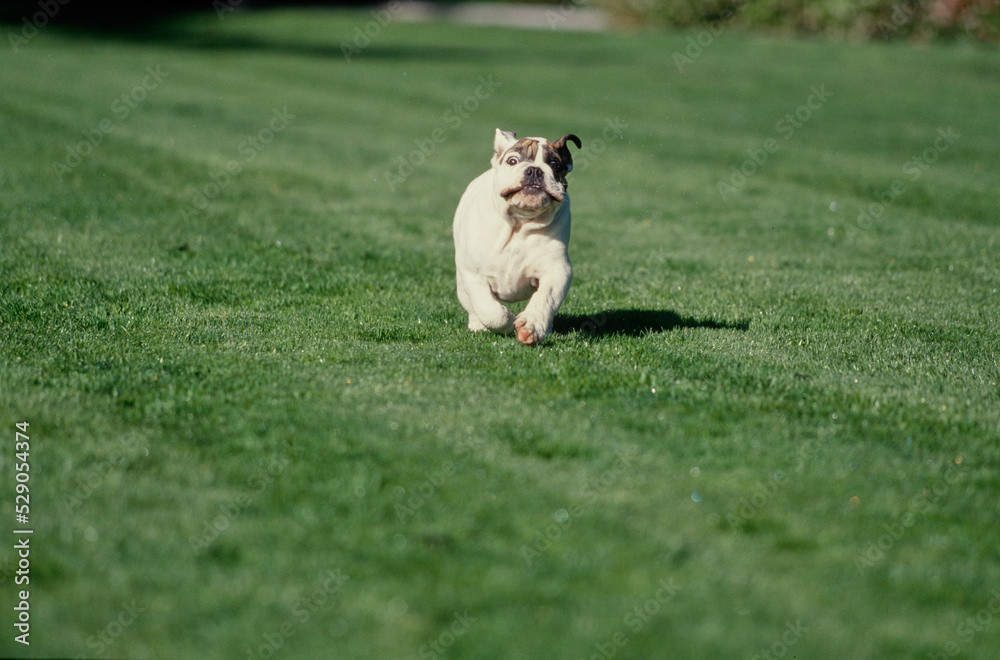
875, 19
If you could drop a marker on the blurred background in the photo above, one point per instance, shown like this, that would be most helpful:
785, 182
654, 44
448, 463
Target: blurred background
868, 19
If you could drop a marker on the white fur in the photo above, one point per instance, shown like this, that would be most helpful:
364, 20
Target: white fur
514, 249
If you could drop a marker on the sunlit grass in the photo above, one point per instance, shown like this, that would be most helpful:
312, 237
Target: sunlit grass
256, 411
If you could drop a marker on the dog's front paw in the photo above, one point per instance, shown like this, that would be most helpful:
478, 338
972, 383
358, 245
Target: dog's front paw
529, 331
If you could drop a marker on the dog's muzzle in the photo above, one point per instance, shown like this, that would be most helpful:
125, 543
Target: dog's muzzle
533, 182
534, 177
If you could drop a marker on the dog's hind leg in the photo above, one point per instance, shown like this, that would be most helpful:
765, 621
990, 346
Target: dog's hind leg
485, 311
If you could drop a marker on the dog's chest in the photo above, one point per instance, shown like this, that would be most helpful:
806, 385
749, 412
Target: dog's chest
512, 270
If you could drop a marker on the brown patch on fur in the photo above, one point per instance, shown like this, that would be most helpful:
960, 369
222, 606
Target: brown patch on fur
558, 163
560, 146
525, 148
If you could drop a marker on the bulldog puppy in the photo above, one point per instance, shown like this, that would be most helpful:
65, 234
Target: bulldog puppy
511, 234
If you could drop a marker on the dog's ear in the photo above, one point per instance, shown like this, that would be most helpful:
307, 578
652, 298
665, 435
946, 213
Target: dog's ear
563, 151
501, 141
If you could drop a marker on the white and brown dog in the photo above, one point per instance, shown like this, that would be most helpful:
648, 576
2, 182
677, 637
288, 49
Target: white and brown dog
511, 235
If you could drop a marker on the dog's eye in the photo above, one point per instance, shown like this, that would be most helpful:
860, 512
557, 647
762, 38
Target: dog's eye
512, 160
554, 163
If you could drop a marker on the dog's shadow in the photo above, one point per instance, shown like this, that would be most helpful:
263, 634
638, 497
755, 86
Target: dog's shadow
635, 323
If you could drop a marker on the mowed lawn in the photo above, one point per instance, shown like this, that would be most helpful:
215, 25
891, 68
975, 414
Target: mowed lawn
768, 421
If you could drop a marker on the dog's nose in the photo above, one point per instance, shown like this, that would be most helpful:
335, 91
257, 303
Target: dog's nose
534, 176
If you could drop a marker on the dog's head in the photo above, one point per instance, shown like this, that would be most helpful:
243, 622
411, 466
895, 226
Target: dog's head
531, 172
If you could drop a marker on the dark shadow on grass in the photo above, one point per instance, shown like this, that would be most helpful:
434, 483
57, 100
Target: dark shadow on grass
636, 323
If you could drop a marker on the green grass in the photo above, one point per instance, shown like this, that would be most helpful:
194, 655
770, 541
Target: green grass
744, 398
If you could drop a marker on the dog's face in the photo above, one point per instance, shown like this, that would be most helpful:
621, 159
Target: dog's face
531, 172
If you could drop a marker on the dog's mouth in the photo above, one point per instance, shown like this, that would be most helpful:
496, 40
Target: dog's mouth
508, 193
